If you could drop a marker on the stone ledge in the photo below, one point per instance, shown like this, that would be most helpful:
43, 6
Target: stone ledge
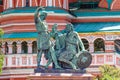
60, 76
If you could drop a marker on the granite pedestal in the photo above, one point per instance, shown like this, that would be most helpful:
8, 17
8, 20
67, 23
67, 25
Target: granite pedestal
60, 76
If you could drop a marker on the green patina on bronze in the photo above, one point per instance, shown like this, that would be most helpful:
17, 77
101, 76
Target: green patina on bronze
66, 48
44, 44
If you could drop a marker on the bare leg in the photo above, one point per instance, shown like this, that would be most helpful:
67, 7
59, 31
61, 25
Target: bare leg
39, 57
52, 52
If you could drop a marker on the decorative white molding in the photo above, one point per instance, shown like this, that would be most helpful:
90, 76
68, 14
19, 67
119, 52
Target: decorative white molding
112, 37
10, 3
30, 2
23, 3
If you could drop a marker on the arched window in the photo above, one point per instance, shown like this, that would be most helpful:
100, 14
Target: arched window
34, 47
99, 45
6, 47
86, 44
24, 47
14, 48
117, 45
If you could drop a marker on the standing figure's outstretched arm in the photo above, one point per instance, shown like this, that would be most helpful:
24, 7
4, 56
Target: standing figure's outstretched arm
36, 15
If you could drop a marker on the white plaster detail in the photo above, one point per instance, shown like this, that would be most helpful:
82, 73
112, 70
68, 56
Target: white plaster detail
29, 46
30, 2
112, 37
23, 3
9, 47
10, 3
49, 2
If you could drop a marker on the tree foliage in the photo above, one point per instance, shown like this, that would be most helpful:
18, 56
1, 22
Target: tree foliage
1, 53
109, 72
1, 61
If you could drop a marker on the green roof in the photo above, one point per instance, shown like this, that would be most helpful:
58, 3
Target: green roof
97, 27
96, 12
21, 35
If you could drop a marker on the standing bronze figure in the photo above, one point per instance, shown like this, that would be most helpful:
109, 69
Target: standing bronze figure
44, 44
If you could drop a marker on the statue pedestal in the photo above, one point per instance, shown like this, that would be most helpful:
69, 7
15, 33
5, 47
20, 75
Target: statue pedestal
60, 76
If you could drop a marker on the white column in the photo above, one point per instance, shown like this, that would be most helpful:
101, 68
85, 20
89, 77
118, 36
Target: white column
23, 3
65, 4
49, 3
91, 47
46, 2
30, 47
30, 2
10, 3
54, 3
18, 47
9, 47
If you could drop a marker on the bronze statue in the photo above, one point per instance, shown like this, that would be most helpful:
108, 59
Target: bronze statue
44, 44
67, 48
73, 44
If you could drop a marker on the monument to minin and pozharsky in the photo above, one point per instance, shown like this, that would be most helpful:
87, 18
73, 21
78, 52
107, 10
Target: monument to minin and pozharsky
64, 50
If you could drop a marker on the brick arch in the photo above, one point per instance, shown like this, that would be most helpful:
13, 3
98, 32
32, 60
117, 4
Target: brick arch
97, 38
86, 39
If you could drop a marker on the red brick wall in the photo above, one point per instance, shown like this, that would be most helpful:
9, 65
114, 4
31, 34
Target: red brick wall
43, 3
1, 8
34, 2
70, 1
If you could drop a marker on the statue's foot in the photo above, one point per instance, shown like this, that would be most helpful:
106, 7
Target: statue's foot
58, 67
41, 67
46, 67
73, 66
38, 66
